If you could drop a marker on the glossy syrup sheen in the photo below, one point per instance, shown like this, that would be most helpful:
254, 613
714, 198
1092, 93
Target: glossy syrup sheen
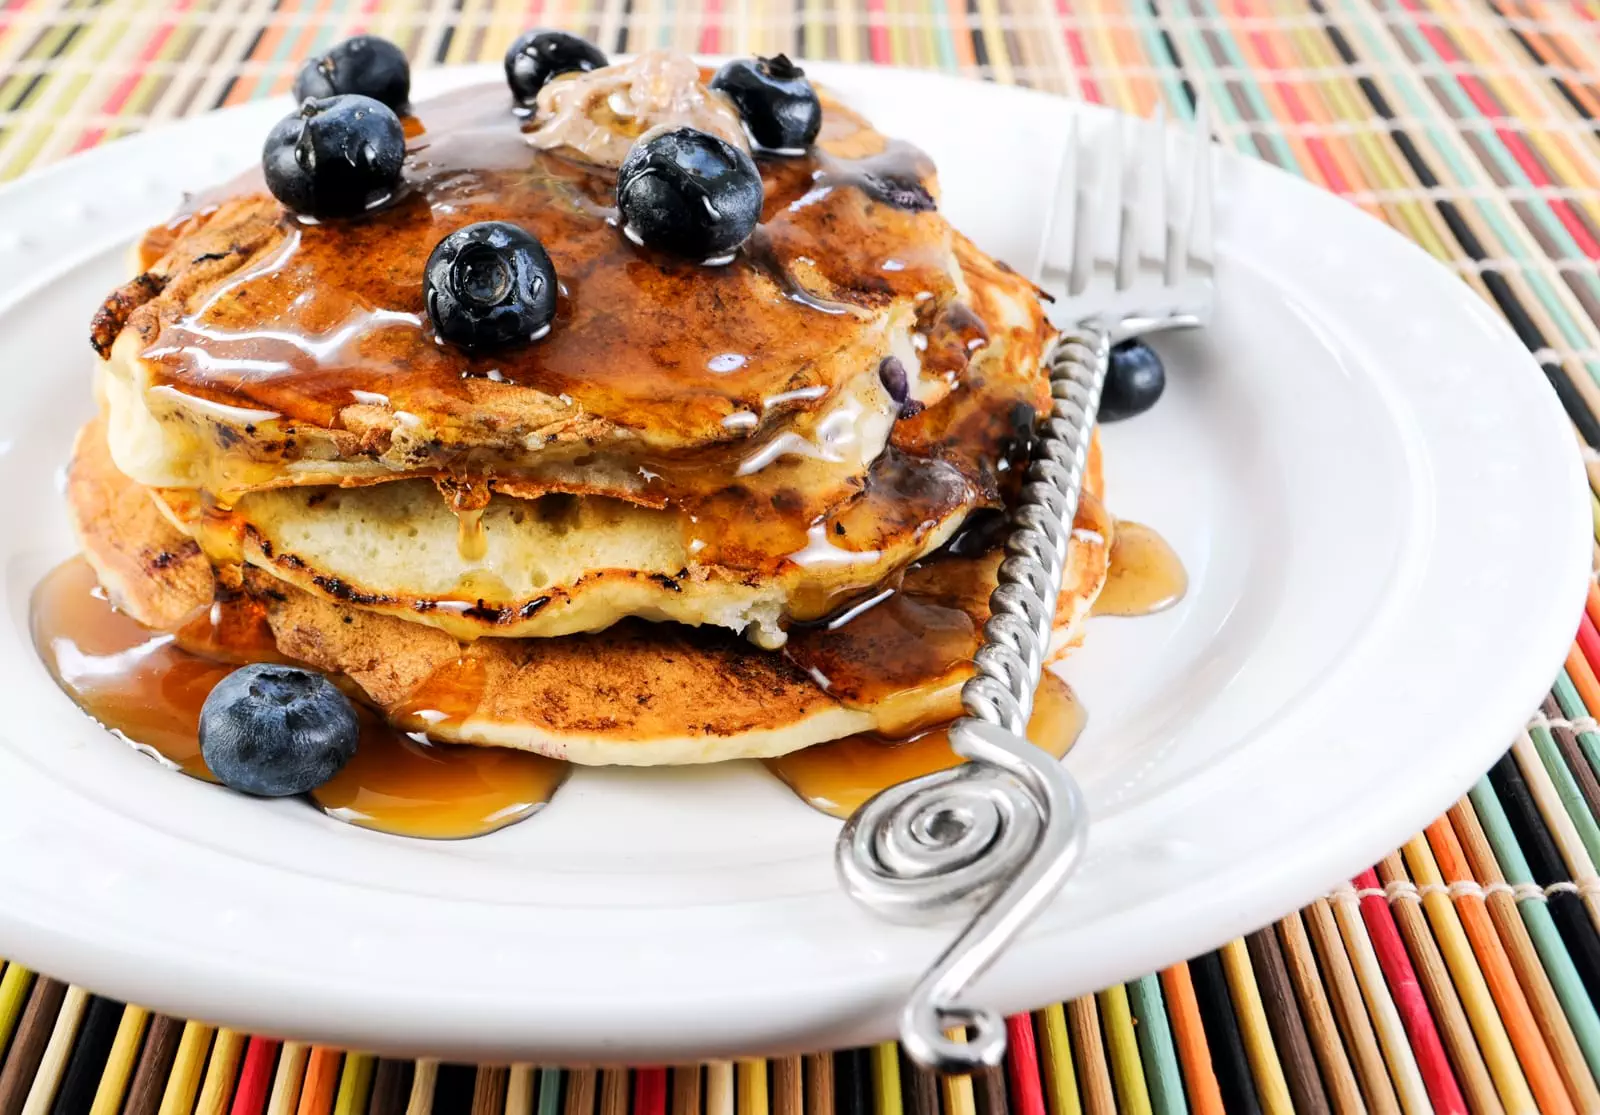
838, 777
327, 312
643, 339
1146, 574
143, 686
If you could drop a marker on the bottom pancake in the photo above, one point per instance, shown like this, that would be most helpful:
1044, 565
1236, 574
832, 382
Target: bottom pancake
634, 694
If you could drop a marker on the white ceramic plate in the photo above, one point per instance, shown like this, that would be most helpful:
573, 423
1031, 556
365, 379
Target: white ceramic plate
1373, 488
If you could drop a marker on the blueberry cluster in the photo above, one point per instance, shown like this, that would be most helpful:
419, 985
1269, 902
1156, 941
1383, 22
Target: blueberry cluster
692, 194
680, 190
341, 154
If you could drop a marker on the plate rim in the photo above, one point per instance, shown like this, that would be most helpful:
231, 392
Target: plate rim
1398, 812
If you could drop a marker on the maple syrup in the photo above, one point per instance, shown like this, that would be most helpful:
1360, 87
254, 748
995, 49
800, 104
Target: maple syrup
1146, 575
404, 785
324, 310
147, 689
838, 777
317, 318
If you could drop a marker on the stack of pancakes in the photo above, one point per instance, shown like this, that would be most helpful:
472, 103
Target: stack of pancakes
716, 512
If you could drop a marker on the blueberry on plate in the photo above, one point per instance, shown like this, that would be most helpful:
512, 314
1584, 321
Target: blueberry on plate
489, 285
366, 64
780, 109
538, 56
688, 193
1134, 381
275, 730
336, 157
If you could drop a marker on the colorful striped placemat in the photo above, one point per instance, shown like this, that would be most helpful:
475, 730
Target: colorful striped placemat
1460, 973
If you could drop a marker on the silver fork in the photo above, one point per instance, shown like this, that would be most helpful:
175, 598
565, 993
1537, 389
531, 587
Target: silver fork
999, 835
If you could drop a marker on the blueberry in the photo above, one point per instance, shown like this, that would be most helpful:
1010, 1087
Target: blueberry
900, 191
276, 730
489, 285
336, 157
1133, 382
892, 374
538, 56
779, 107
688, 193
366, 64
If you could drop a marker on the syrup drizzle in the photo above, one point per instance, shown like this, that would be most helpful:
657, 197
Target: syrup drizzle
322, 311
147, 688
1146, 574
838, 777
144, 687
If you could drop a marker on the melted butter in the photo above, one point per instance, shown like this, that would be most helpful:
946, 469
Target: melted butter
838, 777
1146, 574
598, 115
147, 687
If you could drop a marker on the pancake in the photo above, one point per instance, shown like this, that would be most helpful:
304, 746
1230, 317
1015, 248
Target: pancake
735, 451
636, 694
748, 556
257, 350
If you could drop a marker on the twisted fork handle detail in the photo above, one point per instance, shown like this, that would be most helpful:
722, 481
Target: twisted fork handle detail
999, 834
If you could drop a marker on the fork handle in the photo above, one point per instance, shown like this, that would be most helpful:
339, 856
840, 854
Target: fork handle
1001, 833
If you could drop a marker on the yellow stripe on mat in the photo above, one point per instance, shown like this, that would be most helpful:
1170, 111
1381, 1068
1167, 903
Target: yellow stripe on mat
1468, 978
750, 1088
183, 1082
519, 1090
13, 993
1127, 1070
1271, 1087
355, 1084
886, 1078
1055, 1050
221, 1073
113, 1086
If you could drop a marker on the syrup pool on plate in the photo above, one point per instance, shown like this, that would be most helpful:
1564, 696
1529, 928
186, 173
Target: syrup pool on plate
1146, 575
838, 777
147, 689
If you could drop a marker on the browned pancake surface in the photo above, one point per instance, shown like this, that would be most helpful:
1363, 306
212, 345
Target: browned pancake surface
636, 693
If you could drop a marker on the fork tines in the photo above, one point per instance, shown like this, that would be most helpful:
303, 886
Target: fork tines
1128, 240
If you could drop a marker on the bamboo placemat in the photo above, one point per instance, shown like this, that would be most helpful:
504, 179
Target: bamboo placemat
1460, 973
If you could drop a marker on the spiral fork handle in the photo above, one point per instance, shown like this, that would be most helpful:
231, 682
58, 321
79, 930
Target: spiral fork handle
998, 835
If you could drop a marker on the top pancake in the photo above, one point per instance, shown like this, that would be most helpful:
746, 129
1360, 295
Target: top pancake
263, 350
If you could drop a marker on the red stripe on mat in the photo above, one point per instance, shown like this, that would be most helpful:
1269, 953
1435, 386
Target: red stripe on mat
1080, 56
1589, 642
1315, 145
1022, 1066
255, 1077
1485, 102
1437, 1076
650, 1091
